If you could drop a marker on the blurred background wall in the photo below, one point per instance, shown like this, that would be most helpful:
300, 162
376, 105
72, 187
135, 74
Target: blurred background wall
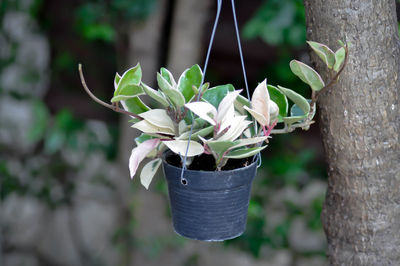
66, 195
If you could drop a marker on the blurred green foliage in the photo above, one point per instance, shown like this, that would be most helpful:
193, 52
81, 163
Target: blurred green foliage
55, 138
100, 19
278, 22
287, 163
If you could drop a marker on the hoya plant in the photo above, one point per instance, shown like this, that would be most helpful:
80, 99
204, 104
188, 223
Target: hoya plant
191, 119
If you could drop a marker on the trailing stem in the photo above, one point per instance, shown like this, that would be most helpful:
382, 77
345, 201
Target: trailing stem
113, 107
314, 98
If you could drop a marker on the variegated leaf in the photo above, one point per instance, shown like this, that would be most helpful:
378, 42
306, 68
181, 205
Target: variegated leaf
159, 118
139, 153
180, 146
307, 75
148, 172
203, 110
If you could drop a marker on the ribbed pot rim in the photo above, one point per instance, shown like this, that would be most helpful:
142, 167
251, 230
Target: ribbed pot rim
168, 152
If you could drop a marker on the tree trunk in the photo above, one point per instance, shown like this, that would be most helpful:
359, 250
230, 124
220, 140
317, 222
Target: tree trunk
190, 17
360, 124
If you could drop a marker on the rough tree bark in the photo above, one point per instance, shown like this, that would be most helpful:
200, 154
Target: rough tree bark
360, 124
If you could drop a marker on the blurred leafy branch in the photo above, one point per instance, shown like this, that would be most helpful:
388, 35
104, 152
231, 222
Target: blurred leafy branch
278, 22
97, 19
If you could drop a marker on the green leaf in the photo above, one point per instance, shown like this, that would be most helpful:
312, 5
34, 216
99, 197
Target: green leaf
339, 58
297, 114
135, 105
280, 99
204, 88
216, 94
163, 84
174, 95
189, 78
155, 94
117, 78
130, 78
202, 132
240, 102
219, 147
133, 120
168, 76
40, 121
128, 92
195, 136
307, 75
148, 172
142, 138
324, 52
244, 153
300, 102
249, 141
297, 99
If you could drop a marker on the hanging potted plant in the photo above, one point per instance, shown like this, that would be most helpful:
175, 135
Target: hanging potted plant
208, 138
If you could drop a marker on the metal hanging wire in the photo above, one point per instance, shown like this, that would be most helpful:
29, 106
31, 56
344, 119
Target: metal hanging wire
219, 6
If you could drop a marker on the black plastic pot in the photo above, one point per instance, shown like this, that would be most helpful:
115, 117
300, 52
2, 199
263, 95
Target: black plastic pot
210, 205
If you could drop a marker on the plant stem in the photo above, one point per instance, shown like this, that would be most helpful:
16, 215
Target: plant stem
314, 97
112, 107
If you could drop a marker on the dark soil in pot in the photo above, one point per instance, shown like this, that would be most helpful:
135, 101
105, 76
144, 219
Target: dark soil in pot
206, 162
210, 205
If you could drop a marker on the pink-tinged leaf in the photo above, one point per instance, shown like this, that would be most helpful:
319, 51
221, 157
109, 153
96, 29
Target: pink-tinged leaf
139, 153
226, 105
260, 102
204, 110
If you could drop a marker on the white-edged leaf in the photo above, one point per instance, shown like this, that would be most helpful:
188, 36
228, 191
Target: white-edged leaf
163, 84
297, 99
244, 153
189, 78
226, 105
117, 78
215, 95
260, 102
279, 99
219, 147
324, 52
240, 102
147, 127
131, 77
180, 146
273, 110
175, 96
135, 105
159, 118
237, 126
139, 153
155, 94
203, 110
249, 141
307, 75
168, 76
257, 116
228, 118
148, 172
142, 138
339, 58
195, 136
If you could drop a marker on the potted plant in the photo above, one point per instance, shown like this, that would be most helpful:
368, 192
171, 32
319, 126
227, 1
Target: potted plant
216, 133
